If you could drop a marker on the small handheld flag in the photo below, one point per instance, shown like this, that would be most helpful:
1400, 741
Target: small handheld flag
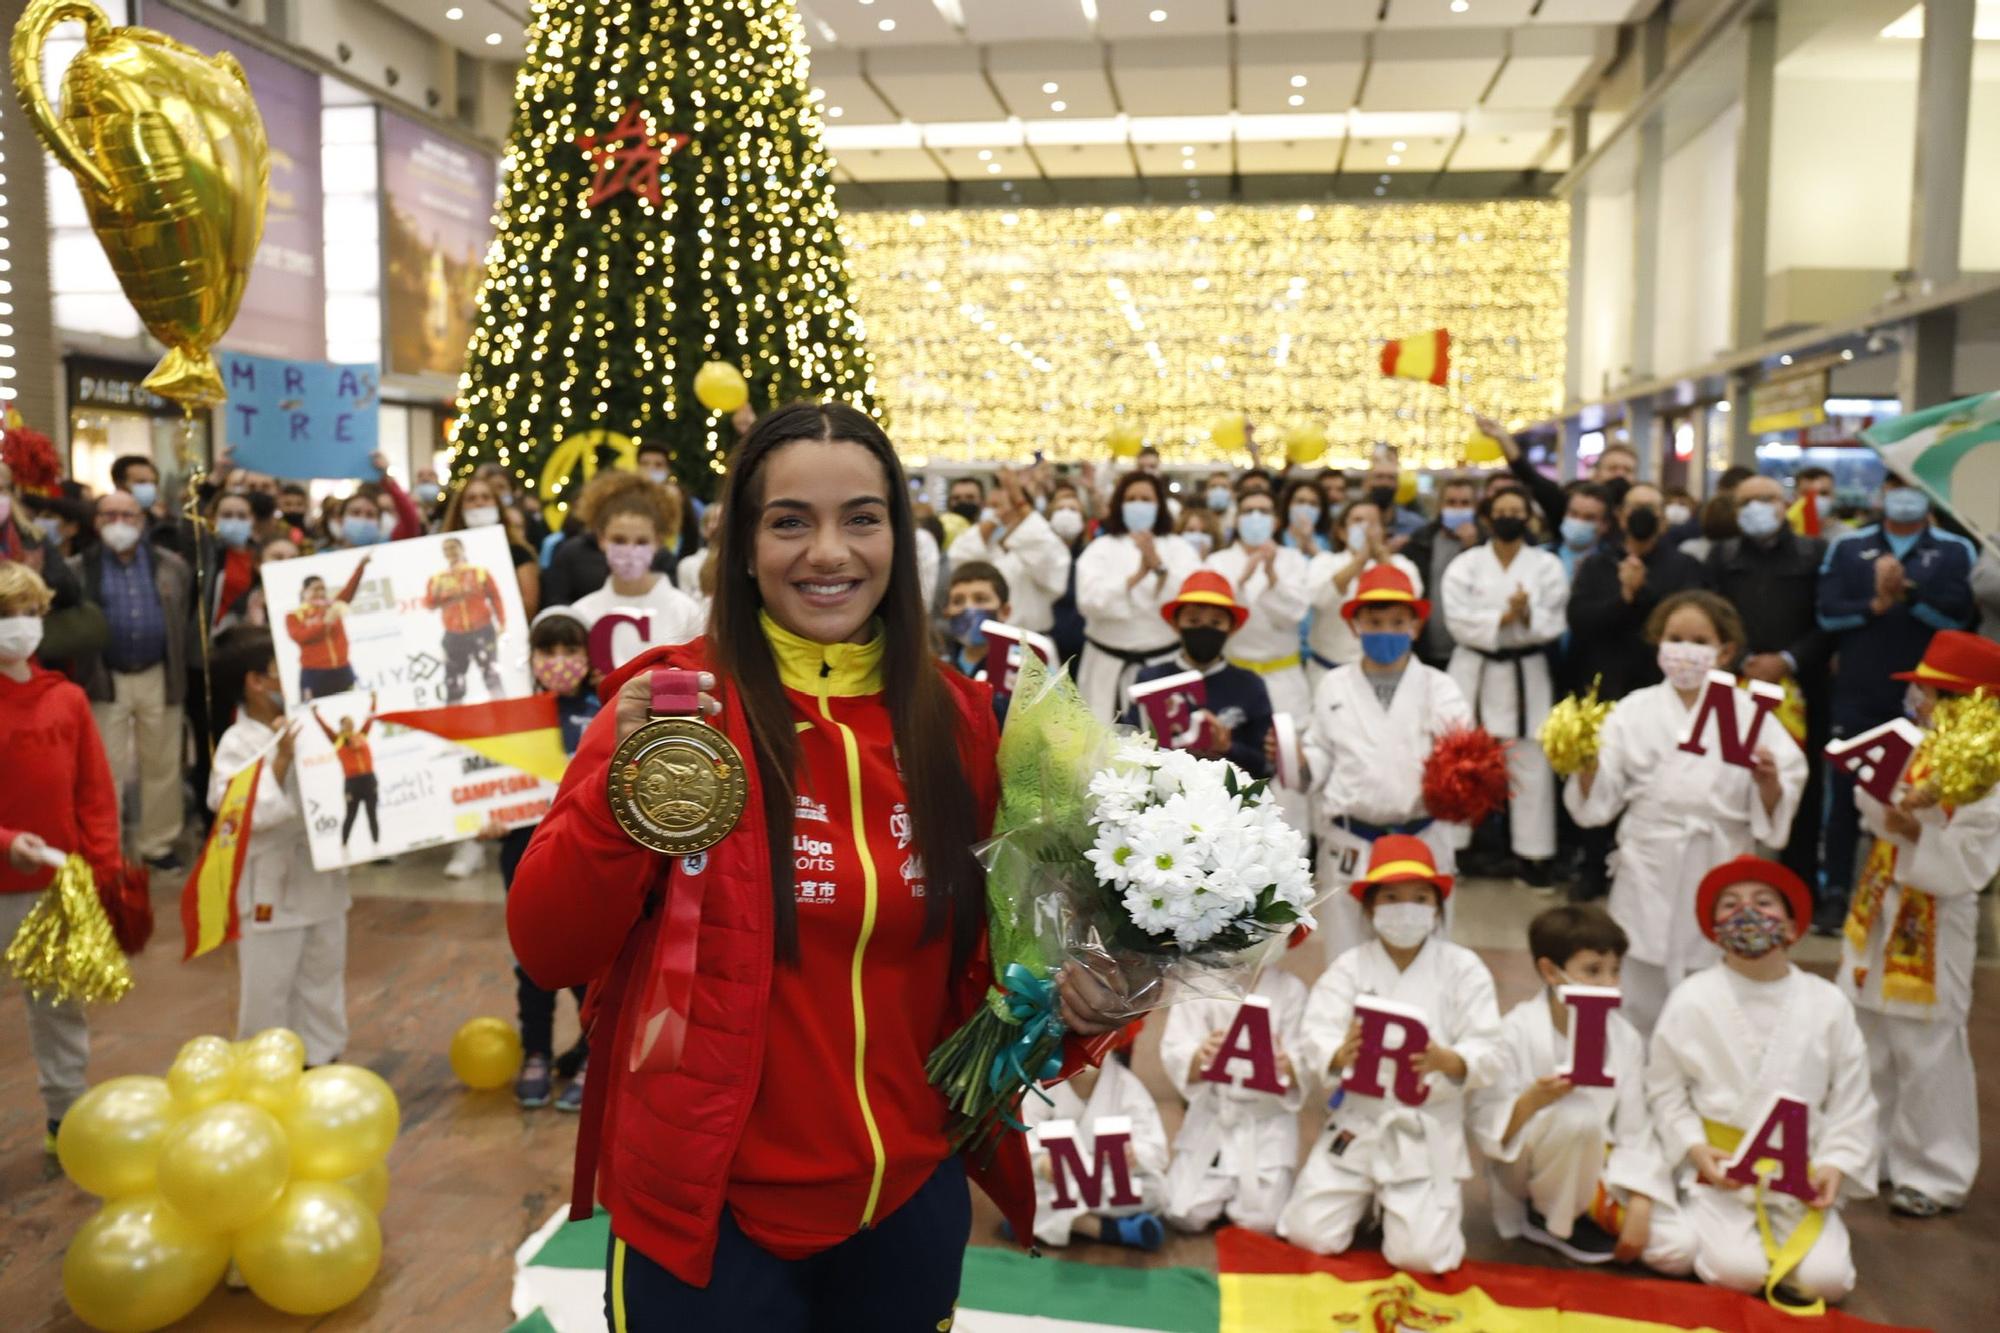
208, 902
1426, 357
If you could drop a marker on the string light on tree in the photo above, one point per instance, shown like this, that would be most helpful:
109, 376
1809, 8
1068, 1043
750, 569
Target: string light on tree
666, 202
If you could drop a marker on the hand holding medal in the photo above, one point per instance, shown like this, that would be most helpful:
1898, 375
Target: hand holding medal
676, 785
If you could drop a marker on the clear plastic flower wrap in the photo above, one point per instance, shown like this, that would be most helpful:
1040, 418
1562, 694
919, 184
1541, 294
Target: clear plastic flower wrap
1159, 874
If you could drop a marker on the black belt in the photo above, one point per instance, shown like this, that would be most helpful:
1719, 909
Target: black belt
1132, 657
1330, 666
1516, 656
1363, 829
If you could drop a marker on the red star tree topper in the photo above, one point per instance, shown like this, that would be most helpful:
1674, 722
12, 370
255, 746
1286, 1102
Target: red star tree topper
628, 157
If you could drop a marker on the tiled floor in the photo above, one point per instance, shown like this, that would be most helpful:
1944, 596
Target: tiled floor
472, 1174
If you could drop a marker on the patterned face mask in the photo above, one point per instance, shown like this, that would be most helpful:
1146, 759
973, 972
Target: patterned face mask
561, 675
1749, 933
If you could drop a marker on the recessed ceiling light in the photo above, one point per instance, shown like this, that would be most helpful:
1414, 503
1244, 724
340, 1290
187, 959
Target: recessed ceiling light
1296, 99
986, 155
1384, 178
454, 13
835, 112
1298, 80
1460, 6
1059, 106
1306, 213
493, 39
1395, 160
1381, 190
993, 168
1398, 147
867, 2
887, 25
1050, 87
1158, 16
1188, 165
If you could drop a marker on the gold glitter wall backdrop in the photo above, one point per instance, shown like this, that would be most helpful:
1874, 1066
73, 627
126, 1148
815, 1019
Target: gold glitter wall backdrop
998, 333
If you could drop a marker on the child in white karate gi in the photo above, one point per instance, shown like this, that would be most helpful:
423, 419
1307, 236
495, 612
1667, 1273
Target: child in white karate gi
1085, 1100
1238, 1147
1577, 1169
292, 955
1409, 1159
1908, 949
1733, 1037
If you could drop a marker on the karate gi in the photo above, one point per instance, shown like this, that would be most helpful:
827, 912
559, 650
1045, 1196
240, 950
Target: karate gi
292, 955
1033, 560
1237, 1148
1685, 814
1122, 627
1367, 769
1268, 643
1409, 1158
1723, 1046
1906, 963
1591, 1137
1118, 1092
1331, 637
1504, 673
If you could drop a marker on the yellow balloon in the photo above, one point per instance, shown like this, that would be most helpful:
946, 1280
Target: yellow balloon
279, 1039
223, 1166
342, 1121
371, 1187
1483, 448
486, 1053
1229, 433
203, 1074
720, 387
1406, 488
1305, 445
954, 526
109, 1143
168, 148
1126, 441
268, 1076
315, 1251
139, 1265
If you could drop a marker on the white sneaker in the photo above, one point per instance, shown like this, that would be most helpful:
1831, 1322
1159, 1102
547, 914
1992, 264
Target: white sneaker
466, 861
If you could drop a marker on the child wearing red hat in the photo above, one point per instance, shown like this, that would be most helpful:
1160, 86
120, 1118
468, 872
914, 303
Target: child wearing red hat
1402, 1146
1373, 723
1731, 1038
1908, 947
1237, 718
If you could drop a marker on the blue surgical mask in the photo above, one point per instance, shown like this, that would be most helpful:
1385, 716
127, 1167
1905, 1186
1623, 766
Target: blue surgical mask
1199, 540
1305, 516
1905, 504
233, 531
360, 531
51, 527
144, 493
428, 492
1384, 647
965, 626
1139, 515
1218, 499
1455, 518
1759, 518
1256, 526
1578, 533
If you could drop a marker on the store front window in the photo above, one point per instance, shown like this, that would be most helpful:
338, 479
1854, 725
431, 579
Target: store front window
112, 414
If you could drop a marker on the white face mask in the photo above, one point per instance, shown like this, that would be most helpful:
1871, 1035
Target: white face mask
1405, 925
482, 517
19, 637
1686, 665
1068, 523
657, 475
1678, 514
1357, 537
119, 536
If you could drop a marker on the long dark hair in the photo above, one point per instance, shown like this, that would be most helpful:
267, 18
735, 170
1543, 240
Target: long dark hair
922, 712
1114, 515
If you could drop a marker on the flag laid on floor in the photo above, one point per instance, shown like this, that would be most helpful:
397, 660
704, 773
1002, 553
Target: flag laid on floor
208, 900
1952, 452
1426, 357
520, 733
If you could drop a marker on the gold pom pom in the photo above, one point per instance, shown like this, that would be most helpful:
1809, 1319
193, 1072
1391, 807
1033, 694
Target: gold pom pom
65, 949
1570, 735
1960, 754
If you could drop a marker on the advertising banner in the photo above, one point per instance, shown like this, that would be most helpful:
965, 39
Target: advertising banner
300, 418
413, 624
437, 205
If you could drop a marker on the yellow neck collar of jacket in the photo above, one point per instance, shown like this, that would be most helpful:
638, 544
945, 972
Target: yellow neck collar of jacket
838, 669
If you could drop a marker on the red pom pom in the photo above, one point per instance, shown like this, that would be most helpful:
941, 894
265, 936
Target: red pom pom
32, 459
1465, 778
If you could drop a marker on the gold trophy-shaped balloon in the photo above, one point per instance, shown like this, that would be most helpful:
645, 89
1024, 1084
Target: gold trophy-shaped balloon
169, 152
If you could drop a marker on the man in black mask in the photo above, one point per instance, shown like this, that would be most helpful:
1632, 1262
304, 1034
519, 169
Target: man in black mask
1236, 716
966, 498
1616, 589
1385, 477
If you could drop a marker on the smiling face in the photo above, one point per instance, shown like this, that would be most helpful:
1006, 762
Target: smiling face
824, 547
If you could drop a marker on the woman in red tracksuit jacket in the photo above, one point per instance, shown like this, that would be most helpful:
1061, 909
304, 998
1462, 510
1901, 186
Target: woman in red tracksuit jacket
770, 1151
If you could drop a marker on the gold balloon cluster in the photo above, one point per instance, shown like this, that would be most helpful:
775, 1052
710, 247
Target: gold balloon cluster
486, 1054
65, 949
1573, 730
240, 1153
1961, 751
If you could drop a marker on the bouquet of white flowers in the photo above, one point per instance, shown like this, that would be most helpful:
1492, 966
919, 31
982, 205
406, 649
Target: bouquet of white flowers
1162, 873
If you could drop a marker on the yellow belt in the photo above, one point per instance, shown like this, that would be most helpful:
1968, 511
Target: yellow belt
1781, 1258
1268, 665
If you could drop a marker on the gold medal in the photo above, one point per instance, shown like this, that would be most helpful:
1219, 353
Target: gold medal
677, 785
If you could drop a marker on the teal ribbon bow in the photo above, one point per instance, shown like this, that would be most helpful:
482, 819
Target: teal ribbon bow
1031, 1002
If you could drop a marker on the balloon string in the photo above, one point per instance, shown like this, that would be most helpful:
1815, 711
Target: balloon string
196, 472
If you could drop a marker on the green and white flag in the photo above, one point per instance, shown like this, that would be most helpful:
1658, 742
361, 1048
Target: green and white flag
1953, 453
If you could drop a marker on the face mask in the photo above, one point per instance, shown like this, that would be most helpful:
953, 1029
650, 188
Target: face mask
19, 637
1617, 488
1385, 647
1455, 518
120, 537
1678, 514
1643, 524
1041, 504
1218, 499
1067, 523
1305, 517
965, 626
1203, 645
1577, 533
51, 527
295, 517
1383, 496
1139, 515
233, 531
1510, 528
1256, 527
1686, 665
360, 531
1358, 535
630, 562
1905, 504
561, 675
1405, 925
1748, 933
145, 492
1760, 518
1913, 702
1200, 541
990, 515
657, 475
967, 510
428, 492
485, 516
262, 506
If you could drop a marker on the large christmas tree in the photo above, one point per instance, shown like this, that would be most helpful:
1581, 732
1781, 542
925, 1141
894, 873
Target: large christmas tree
667, 202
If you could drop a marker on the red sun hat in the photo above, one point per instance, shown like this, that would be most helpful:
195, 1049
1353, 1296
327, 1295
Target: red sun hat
1384, 585
1958, 662
1205, 587
1396, 858
1752, 870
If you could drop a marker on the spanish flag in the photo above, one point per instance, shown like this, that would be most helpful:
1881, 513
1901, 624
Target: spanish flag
1426, 357
1804, 515
520, 733
208, 902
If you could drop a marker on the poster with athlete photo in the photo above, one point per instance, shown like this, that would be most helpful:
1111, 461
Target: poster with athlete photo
423, 623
